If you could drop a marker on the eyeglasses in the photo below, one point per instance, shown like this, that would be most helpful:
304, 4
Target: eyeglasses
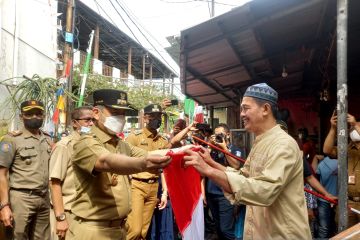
86, 119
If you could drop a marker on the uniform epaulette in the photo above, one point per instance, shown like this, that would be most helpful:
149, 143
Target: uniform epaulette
138, 132
15, 133
164, 137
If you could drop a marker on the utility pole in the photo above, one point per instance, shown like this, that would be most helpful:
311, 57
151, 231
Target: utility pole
342, 109
212, 14
68, 54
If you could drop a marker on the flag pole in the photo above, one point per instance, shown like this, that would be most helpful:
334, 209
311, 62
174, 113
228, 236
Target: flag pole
86, 70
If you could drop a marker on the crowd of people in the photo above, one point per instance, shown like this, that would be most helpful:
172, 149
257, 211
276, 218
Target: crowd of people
93, 184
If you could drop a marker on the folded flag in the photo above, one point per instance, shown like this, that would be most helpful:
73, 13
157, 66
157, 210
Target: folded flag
185, 194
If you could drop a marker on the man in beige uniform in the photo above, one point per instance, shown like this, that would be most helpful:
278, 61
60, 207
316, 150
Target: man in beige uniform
330, 149
144, 185
25, 156
101, 163
61, 172
271, 181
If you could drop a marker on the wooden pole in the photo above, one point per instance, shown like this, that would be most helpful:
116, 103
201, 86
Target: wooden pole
96, 42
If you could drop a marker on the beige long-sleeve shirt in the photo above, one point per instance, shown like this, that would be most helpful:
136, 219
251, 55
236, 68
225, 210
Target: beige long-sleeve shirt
271, 184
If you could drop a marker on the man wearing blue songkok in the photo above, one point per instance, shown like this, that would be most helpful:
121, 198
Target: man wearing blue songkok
270, 183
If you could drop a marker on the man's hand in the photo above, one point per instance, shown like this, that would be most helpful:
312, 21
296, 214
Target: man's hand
61, 228
163, 202
351, 120
333, 120
222, 145
155, 162
205, 154
328, 195
165, 103
194, 159
7, 216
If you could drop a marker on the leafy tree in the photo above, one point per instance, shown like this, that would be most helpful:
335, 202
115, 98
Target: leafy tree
138, 96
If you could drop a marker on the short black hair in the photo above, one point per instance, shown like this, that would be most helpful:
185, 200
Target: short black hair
224, 126
77, 112
274, 107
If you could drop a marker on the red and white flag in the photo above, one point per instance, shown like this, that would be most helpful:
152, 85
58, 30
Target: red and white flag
184, 186
199, 114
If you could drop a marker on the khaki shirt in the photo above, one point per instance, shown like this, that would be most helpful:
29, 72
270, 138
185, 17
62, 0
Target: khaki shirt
271, 184
353, 169
144, 139
96, 197
61, 167
27, 158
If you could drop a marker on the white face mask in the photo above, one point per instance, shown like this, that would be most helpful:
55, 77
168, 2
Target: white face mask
115, 124
355, 136
85, 130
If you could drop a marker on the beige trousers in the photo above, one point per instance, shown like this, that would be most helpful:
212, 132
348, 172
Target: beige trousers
85, 231
143, 203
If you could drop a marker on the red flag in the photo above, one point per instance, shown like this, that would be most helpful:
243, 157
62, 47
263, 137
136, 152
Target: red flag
55, 117
199, 114
68, 67
185, 194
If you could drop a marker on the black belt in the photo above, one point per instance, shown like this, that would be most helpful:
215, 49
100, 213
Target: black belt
35, 192
146, 180
101, 223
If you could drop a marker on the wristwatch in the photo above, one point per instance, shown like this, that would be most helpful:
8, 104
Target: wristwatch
2, 205
61, 217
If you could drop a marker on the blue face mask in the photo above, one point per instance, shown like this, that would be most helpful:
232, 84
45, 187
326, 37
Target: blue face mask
85, 130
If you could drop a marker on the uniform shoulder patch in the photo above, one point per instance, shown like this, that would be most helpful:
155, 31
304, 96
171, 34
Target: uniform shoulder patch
138, 132
5, 147
15, 133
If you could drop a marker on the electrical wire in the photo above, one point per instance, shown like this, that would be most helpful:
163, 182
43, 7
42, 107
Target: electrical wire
136, 25
191, 1
117, 40
108, 47
121, 19
155, 64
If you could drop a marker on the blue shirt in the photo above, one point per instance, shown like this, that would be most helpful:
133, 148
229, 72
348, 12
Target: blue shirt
220, 157
328, 172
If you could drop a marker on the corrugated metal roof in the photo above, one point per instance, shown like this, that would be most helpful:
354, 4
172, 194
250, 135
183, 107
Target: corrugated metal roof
254, 43
118, 31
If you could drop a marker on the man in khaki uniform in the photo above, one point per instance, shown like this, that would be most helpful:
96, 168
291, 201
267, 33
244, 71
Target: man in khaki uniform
61, 172
330, 149
101, 163
144, 185
25, 155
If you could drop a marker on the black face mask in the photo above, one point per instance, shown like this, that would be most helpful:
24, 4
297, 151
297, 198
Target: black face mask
33, 123
154, 124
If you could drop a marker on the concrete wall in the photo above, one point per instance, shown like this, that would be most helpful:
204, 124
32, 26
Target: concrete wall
28, 40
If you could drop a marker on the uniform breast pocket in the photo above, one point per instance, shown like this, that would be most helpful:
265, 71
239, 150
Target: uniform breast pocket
27, 155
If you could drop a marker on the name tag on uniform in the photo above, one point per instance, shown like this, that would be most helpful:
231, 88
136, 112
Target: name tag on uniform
351, 180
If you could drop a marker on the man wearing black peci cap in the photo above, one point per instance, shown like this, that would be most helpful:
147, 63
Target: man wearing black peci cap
24, 155
102, 163
145, 185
